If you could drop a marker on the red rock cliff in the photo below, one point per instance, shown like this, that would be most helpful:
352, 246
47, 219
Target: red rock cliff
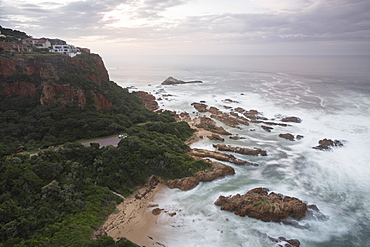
56, 79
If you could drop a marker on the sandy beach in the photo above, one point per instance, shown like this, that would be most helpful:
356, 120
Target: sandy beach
137, 219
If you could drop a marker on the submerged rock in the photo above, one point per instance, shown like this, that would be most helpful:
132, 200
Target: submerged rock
237, 137
259, 204
230, 101
328, 144
286, 242
267, 128
299, 137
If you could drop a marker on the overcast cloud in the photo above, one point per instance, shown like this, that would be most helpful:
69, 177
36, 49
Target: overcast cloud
254, 27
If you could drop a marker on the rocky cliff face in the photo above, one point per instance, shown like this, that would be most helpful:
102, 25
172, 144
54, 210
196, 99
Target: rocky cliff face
56, 79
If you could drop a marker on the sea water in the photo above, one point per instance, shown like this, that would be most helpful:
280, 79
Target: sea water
332, 97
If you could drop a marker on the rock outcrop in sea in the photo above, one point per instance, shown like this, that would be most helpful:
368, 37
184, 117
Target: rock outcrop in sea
172, 81
258, 203
328, 144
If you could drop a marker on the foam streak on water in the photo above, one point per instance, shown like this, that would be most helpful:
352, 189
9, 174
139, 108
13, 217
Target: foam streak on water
334, 106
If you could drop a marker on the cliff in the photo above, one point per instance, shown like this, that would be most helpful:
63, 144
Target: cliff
58, 79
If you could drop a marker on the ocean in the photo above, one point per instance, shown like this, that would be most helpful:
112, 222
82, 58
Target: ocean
331, 94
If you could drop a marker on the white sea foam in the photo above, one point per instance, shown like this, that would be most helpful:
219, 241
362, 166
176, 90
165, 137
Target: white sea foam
338, 181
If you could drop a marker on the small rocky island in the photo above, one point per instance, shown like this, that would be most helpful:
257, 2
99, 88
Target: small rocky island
172, 81
258, 203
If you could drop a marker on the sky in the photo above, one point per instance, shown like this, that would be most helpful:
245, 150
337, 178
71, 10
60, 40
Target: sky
197, 27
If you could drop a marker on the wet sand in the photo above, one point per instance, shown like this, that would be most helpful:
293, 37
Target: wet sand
135, 219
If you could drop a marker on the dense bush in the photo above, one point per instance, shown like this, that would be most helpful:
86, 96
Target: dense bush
23, 122
56, 198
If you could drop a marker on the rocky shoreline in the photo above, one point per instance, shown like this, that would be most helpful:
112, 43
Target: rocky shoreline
258, 202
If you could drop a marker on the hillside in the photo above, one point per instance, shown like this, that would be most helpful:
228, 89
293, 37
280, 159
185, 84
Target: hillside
59, 196
50, 100
12, 35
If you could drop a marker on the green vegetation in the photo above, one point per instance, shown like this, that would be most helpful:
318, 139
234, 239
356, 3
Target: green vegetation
24, 122
58, 196
12, 35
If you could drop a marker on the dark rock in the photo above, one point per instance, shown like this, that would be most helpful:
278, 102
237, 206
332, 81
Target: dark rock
267, 128
157, 211
214, 110
299, 137
215, 137
269, 123
230, 121
240, 150
172, 81
202, 153
286, 242
292, 119
239, 109
237, 137
209, 124
231, 101
200, 107
328, 144
259, 204
218, 170
252, 114
287, 136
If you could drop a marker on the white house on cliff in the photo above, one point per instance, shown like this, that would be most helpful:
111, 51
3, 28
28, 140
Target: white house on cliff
70, 50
